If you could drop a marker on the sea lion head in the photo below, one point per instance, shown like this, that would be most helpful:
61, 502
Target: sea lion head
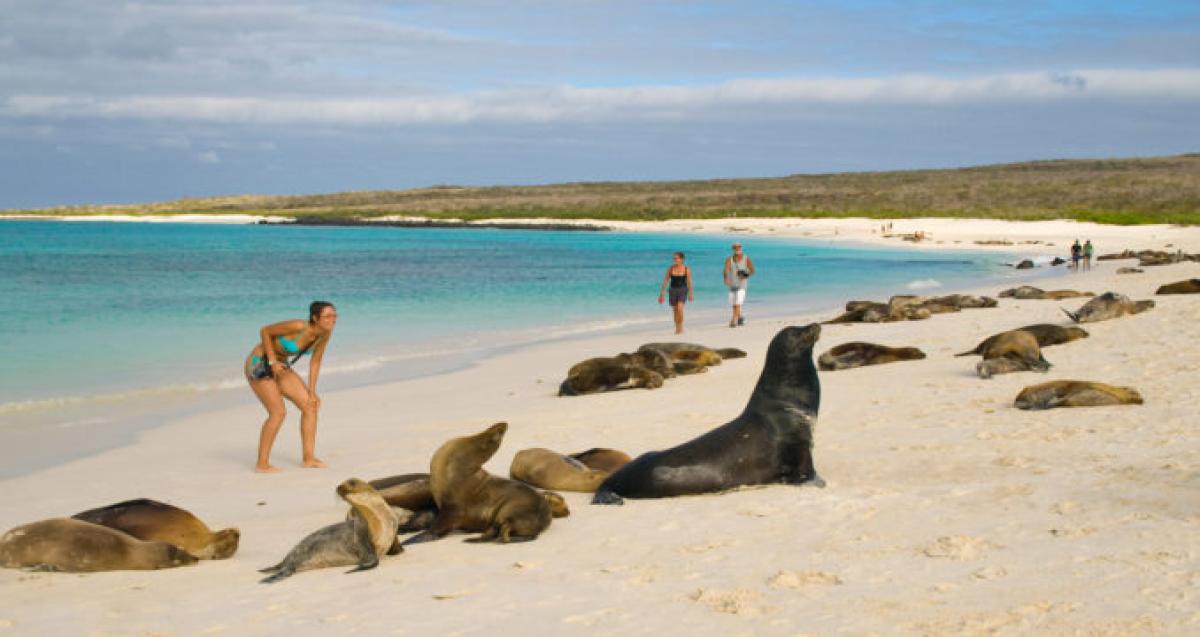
789, 373
224, 543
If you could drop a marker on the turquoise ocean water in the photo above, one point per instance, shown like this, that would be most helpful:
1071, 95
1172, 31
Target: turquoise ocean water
107, 322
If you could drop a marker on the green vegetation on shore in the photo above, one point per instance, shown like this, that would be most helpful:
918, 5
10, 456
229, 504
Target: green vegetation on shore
1114, 191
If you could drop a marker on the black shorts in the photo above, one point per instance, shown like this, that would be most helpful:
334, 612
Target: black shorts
678, 295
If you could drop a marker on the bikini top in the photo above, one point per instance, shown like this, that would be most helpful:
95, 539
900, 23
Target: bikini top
292, 347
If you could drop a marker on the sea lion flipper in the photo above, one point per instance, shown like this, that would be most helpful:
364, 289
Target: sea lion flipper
282, 574
370, 561
1074, 316
396, 548
607, 496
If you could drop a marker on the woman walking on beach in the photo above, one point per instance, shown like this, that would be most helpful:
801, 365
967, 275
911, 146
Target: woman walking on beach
270, 375
679, 280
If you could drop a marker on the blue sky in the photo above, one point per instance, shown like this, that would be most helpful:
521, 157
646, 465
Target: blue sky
126, 102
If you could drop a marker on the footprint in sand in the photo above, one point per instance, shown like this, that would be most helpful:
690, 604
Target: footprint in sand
958, 547
740, 601
990, 572
800, 579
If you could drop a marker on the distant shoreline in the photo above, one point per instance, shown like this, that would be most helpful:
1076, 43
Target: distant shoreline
445, 223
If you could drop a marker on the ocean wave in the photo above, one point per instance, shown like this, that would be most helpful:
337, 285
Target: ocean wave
924, 284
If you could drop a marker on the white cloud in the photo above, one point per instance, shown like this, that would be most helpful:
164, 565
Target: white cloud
567, 104
208, 157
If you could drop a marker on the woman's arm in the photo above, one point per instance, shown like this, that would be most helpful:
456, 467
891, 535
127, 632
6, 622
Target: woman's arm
689, 281
268, 333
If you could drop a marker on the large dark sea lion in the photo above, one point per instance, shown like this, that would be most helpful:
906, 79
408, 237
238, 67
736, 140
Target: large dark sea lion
470, 499
858, 354
362, 539
1075, 393
548, 469
1046, 334
66, 544
1109, 305
1012, 351
161, 522
770, 442
1188, 286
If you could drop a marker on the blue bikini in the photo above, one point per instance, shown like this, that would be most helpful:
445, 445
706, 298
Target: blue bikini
260, 370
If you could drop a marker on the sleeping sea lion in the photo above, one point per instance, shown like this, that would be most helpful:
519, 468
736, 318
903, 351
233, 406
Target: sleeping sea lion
603, 459
66, 544
547, 469
1045, 333
623, 371
1028, 292
412, 493
1075, 393
361, 539
1188, 286
1012, 351
157, 521
1109, 305
470, 499
770, 442
858, 354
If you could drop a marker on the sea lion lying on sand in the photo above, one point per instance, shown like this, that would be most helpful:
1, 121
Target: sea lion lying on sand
1027, 292
470, 499
412, 496
1189, 286
858, 354
362, 539
1013, 351
603, 459
547, 469
689, 358
155, 521
770, 442
1045, 333
907, 307
76, 546
623, 371
1109, 305
1075, 393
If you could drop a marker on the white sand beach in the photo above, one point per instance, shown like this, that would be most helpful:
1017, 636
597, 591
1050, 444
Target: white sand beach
947, 511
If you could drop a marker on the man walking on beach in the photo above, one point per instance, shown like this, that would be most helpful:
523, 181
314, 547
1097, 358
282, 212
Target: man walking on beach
738, 269
1087, 254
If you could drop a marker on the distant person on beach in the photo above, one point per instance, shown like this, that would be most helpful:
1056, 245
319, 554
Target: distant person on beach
738, 268
1088, 250
1076, 255
678, 283
270, 375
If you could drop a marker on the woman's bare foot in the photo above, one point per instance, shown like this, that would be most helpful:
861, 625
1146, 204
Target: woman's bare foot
314, 463
267, 469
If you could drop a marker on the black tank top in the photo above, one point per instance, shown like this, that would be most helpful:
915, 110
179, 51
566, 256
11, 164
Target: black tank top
679, 280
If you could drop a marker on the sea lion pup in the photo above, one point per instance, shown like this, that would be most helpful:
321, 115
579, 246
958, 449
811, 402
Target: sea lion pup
1046, 334
1109, 305
1028, 292
470, 499
1075, 393
770, 442
361, 539
1189, 286
151, 520
603, 459
547, 469
1012, 351
67, 544
689, 358
858, 354
623, 371
413, 493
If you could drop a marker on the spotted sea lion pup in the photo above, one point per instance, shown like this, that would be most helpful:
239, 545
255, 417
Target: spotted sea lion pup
76, 546
1075, 393
1046, 334
769, 443
362, 539
1109, 305
1189, 286
624, 371
1012, 351
470, 499
859, 354
151, 520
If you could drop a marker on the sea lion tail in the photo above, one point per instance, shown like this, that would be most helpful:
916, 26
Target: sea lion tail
1074, 316
969, 353
607, 496
1042, 365
281, 574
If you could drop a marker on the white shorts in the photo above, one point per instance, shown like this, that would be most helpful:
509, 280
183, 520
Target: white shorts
737, 296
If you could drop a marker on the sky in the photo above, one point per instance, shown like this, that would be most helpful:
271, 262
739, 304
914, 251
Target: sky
109, 102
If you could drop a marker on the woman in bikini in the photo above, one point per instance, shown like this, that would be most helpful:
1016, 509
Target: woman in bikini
269, 371
679, 279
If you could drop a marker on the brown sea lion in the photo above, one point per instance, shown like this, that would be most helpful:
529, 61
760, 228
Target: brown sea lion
1109, 305
151, 520
470, 499
1045, 333
1130, 270
858, 354
1075, 393
1012, 351
623, 371
547, 469
603, 459
689, 358
362, 539
1188, 286
67, 544
1028, 292
412, 493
